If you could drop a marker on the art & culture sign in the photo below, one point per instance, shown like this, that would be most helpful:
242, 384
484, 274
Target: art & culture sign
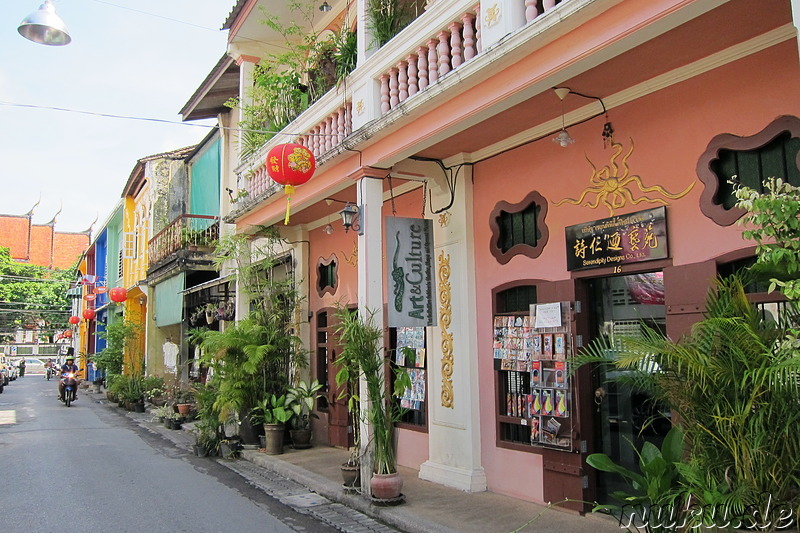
412, 293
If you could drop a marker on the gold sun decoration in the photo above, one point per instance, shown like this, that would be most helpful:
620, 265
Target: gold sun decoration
614, 190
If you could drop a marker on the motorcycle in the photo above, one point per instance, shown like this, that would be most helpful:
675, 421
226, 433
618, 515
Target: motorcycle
70, 386
50, 372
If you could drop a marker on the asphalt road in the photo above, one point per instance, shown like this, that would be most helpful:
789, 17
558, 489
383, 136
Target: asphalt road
86, 468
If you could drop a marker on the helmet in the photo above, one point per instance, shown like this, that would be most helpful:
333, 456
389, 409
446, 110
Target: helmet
70, 358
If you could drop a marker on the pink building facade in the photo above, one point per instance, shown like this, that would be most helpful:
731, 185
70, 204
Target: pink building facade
539, 246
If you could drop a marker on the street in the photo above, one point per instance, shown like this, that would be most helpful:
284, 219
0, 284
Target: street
87, 468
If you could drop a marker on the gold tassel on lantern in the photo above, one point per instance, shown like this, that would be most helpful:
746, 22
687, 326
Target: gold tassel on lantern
289, 190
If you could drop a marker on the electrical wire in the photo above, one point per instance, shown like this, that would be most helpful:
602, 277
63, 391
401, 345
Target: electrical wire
6, 302
55, 311
162, 120
24, 278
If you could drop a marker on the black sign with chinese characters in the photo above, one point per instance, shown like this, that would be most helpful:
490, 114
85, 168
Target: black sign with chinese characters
631, 238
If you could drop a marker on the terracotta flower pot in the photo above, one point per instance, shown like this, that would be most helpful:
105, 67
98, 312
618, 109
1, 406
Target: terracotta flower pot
184, 408
386, 486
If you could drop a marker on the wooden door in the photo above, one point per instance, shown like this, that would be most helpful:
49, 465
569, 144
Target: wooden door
328, 348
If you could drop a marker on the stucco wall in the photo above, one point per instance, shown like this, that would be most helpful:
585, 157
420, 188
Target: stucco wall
668, 130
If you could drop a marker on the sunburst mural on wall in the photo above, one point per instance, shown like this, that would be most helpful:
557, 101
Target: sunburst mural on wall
614, 186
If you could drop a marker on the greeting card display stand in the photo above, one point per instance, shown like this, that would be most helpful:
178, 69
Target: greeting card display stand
532, 355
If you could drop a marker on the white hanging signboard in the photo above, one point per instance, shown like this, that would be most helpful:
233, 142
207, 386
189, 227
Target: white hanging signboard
412, 292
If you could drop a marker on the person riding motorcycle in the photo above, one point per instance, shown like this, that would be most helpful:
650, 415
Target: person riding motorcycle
49, 368
68, 367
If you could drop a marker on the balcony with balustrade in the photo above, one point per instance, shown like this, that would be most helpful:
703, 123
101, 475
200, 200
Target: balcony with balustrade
186, 243
413, 67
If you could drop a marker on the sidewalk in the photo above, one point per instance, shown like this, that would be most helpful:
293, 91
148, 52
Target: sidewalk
428, 507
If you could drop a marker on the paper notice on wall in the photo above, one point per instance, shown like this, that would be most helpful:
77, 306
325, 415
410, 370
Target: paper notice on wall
548, 315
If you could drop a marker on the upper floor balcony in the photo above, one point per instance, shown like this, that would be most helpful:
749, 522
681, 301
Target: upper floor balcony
187, 237
429, 56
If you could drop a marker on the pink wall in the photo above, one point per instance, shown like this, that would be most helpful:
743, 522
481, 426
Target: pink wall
670, 130
343, 245
413, 445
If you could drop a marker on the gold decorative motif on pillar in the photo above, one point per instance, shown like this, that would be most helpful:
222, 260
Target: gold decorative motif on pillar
445, 318
492, 16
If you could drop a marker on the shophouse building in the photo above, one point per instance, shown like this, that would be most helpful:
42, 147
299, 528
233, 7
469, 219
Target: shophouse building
570, 162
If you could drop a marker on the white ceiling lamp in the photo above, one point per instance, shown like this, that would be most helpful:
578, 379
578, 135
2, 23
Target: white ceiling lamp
43, 26
563, 139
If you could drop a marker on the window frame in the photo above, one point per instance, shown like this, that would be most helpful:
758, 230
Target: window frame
526, 250
330, 262
727, 141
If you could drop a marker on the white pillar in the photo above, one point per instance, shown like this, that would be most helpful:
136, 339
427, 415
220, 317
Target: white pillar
499, 18
370, 280
454, 450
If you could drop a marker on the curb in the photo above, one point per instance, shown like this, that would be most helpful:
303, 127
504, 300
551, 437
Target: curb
399, 517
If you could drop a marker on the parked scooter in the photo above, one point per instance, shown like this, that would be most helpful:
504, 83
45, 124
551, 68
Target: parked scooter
70, 387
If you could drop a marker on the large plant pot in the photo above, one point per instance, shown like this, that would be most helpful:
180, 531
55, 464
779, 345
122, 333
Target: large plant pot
273, 439
184, 408
351, 476
249, 433
228, 451
200, 450
386, 486
301, 438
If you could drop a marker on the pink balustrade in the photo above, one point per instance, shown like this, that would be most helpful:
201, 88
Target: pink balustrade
443, 52
436, 56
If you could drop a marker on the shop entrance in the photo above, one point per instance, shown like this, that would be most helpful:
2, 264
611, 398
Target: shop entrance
625, 418
340, 429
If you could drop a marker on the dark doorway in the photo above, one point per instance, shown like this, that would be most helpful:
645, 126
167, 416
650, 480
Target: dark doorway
626, 418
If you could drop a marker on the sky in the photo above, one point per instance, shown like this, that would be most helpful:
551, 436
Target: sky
142, 58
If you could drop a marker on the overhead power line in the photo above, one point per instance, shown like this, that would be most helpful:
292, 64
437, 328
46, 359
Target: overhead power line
164, 121
26, 278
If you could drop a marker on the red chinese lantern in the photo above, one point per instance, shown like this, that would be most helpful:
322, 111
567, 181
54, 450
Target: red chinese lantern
89, 314
118, 294
74, 319
67, 334
290, 165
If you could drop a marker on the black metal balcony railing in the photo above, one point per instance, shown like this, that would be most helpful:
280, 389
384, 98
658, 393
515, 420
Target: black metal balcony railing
182, 233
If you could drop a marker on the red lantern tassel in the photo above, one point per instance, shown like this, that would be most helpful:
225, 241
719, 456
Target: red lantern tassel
289, 190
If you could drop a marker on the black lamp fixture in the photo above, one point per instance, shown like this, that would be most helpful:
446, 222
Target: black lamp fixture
43, 26
325, 7
351, 218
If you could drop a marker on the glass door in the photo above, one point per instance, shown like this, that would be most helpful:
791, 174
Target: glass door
626, 418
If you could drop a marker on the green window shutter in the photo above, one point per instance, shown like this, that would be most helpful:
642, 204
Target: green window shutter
776, 159
518, 228
169, 301
205, 182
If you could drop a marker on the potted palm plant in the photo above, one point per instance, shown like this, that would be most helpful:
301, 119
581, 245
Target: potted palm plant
253, 358
301, 401
362, 343
347, 379
273, 412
